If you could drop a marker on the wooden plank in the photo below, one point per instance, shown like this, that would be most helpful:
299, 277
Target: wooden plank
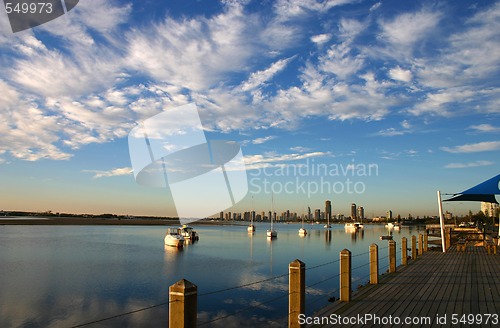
435, 284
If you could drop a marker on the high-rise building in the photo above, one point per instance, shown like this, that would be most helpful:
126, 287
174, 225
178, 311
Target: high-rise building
361, 213
489, 209
317, 214
353, 211
328, 210
389, 215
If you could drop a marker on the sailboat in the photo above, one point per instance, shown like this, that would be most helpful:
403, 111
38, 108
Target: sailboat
302, 231
271, 233
251, 227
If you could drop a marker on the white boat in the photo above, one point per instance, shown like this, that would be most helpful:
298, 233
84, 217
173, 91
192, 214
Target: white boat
302, 231
360, 225
351, 226
251, 227
397, 227
173, 238
389, 225
188, 233
271, 233
327, 226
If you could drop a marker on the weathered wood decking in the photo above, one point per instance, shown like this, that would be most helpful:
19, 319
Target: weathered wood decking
435, 284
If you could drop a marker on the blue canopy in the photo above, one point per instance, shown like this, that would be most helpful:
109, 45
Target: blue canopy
483, 192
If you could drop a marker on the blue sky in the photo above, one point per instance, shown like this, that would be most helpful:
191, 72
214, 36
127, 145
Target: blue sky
409, 86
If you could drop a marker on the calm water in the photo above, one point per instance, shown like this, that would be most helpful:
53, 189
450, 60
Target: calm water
63, 276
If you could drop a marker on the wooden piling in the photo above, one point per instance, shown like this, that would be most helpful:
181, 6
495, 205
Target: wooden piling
392, 256
297, 292
345, 275
413, 247
420, 244
404, 251
426, 242
182, 310
447, 238
374, 264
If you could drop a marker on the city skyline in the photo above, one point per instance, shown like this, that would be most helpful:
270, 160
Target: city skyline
377, 103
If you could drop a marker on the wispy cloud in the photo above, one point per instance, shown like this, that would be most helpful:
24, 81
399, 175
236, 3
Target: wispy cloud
260, 77
259, 141
300, 149
274, 159
487, 128
467, 165
110, 173
474, 148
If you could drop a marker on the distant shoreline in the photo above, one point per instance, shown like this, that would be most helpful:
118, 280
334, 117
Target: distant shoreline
78, 221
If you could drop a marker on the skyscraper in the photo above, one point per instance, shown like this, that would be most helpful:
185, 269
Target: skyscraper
353, 211
328, 210
361, 213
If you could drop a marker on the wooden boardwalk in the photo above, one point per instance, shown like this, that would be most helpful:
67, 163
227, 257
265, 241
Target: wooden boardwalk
434, 285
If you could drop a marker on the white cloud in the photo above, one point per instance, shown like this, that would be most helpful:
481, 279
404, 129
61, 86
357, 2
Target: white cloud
260, 77
485, 128
408, 28
467, 165
195, 53
111, 173
300, 149
390, 132
260, 141
321, 38
400, 74
405, 124
339, 60
474, 148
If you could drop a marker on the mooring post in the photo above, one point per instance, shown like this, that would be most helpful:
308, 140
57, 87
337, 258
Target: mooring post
297, 292
182, 310
392, 256
426, 242
404, 251
420, 244
374, 264
448, 238
413, 247
345, 275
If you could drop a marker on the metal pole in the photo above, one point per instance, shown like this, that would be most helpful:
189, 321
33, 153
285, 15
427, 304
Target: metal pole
441, 221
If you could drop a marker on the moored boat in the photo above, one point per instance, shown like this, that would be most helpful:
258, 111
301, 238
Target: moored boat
173, 238
188, 233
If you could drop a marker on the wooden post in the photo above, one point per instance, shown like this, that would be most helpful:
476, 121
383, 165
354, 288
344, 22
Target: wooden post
426, 242
420, 244
448, 238
374, 264
392, 256
182, 310
404, 251
413, 247
297, 292
345, 275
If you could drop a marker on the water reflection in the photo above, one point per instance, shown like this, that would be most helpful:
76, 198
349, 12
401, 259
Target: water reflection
64, 276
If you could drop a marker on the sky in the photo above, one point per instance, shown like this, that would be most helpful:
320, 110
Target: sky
380, 103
